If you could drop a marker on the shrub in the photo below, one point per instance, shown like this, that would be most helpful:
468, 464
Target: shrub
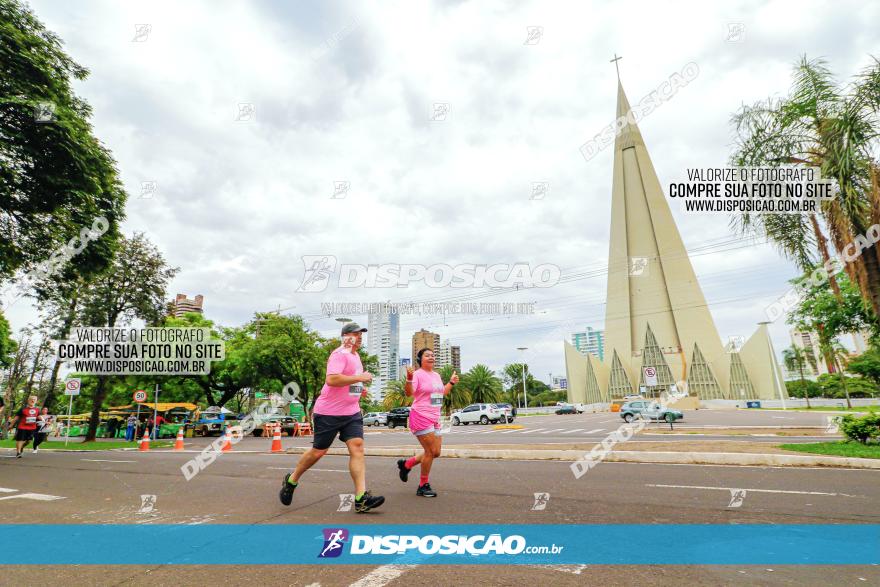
862, 428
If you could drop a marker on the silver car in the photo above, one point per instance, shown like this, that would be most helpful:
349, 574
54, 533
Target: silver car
376, 419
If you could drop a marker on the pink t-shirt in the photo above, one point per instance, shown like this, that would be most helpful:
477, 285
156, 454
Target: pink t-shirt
345, 400
427, 388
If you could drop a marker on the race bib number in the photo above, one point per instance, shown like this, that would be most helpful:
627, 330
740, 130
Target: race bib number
436, 399
30, 420
355, 389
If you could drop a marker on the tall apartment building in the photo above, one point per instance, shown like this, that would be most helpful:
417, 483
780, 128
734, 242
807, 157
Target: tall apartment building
448, 354
424, 339
383, 341
182, 304
590, 342
809, 342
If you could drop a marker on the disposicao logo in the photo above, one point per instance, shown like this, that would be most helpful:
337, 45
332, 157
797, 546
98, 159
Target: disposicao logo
334, 540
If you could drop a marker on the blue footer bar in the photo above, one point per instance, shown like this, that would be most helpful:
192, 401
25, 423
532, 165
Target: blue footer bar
675, 544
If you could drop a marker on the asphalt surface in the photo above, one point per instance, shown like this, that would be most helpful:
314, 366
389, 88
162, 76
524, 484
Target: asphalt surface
241, 487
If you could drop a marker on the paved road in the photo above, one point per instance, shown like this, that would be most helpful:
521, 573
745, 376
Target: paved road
106, 487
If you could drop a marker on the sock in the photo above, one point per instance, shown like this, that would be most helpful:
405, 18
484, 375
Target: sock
292, 482
359, 497
423, 479
410, 463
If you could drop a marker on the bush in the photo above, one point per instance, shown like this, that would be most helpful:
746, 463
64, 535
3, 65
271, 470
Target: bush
862, 428
796, 388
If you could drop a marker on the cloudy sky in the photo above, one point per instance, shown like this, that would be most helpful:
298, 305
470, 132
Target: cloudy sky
346, 92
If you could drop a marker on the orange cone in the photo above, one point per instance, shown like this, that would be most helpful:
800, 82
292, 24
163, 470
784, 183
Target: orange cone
178, 444
145, 442
227, 442
276, 441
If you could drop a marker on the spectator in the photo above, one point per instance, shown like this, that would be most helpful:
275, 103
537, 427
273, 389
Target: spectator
131, 428
44, 424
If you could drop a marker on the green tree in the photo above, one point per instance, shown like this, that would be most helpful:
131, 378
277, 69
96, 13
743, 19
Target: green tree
820, 124
8, 346
797, 359
134, 286
482, 385
56, 177
395, 395
867, 365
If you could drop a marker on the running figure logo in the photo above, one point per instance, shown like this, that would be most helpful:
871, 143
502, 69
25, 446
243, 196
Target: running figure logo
334, 540
148, 502
318, 269
541, 500
346, 500
737, 496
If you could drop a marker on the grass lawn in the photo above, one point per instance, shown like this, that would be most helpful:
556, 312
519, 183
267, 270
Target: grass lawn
78, 444
838, 449
830, 409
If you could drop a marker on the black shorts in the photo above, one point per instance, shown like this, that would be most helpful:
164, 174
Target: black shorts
326, 428
26, 435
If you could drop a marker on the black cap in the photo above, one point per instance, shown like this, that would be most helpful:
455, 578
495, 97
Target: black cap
352, 327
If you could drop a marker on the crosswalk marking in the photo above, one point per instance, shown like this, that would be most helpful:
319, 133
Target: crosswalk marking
535, 430
553, 430
34, 496
595, 431
572, 431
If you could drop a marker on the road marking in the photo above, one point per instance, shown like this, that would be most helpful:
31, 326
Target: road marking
34, 496
106, 461
534, 430
753, 490
510, 431
312, 469
573, 431
7, 490
381, 575
595, 431
553, 430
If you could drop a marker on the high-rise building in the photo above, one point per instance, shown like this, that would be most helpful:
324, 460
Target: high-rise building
809, 343
383, 341
590, 342
182, 305
448, 354
424, 339
455, 352
656, 316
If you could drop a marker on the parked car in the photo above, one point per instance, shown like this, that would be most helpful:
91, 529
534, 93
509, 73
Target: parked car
398, 417
482, 413
288, 424
509, 412
214, 421
566, 410
376, 419
648, 410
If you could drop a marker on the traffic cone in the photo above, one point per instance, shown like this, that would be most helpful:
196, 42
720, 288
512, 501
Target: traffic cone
178, 444
227, 442
276, 441
145, 442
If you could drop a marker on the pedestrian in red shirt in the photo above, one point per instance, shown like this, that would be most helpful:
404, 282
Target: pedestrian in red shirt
26, 425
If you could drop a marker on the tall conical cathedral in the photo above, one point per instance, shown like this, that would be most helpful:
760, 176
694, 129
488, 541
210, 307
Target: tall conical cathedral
656, 314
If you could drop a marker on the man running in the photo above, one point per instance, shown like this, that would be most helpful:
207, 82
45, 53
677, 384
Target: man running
427, 389
26, 425
44, 424
337, 411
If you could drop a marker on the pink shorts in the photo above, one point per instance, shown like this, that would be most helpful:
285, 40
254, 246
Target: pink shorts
421, 424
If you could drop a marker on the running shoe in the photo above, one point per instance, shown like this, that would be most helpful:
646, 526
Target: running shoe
18, 455
368, 502
286, 493
404, 472
426, 491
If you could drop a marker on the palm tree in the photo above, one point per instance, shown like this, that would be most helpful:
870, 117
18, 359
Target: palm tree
820, 125
483, 385
395, 395
839, 357
797, 358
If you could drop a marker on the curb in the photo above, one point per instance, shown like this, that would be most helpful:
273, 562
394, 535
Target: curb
629, 456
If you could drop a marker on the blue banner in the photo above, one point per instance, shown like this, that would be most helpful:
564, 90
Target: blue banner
441, 544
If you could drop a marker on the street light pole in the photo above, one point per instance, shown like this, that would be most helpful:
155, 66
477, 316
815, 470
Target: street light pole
525, 394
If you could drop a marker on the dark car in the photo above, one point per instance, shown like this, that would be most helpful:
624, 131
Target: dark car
567, 410
398, 417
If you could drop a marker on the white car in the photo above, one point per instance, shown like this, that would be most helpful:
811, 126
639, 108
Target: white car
482, 413
376, 419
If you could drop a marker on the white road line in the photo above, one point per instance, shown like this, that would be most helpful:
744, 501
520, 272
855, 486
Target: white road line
7, 490
34, 496
573, 431
553, 430
511, 431
534, 430
106, 461
597, 430
608, 421
753, 490
312, 469
381, 575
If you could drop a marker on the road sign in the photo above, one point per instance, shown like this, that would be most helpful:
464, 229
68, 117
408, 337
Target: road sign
71, 387
140, 396
650, 376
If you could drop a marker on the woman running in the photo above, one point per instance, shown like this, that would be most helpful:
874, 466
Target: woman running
427, 389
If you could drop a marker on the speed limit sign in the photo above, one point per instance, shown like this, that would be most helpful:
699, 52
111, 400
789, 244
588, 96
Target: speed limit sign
140, 396
71, 387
